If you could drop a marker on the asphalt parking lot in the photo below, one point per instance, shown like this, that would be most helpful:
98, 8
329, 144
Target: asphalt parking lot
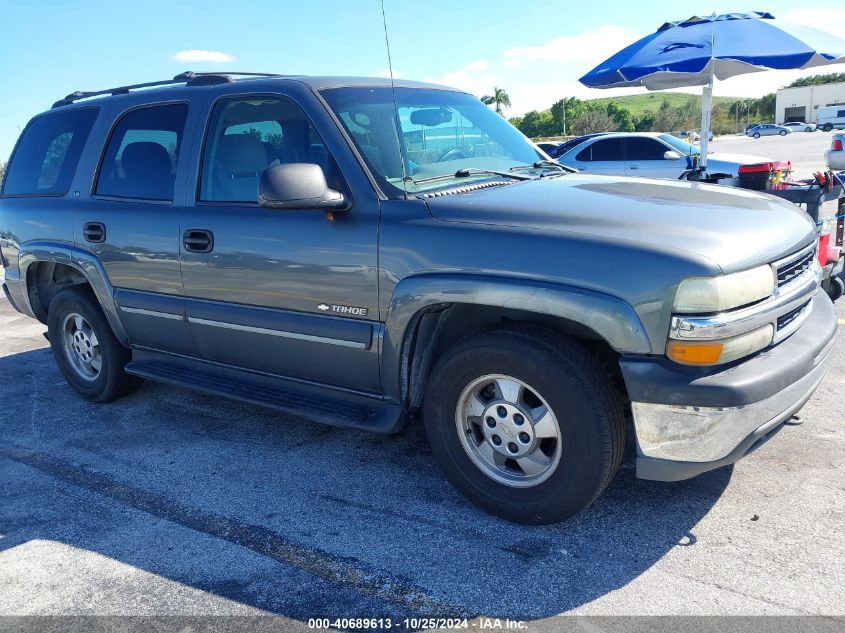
805, 149
170, 502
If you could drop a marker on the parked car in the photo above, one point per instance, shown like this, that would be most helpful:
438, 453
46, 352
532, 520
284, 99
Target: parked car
548, 146
767, 129
274, 240
646, 154
835, 156
799, 126
830, 118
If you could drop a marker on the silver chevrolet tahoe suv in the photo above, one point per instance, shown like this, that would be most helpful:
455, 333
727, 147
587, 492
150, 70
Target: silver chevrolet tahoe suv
368, 255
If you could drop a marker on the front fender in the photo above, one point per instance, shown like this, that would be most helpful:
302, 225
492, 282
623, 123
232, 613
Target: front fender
610, 317
84, 262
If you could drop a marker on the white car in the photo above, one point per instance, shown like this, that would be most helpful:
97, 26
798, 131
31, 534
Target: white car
767, 129
646, 154
835, 156
799, 126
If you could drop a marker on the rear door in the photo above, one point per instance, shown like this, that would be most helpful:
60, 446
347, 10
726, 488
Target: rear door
289, 292
603, 156
131, 221
646, 157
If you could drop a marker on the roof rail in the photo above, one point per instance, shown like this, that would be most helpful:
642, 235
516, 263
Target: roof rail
189, 78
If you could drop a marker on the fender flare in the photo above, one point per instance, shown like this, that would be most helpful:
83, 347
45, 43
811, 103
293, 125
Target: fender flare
612, 318
85, 263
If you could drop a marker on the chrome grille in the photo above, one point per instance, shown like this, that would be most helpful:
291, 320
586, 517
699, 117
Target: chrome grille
785, 319
790, 270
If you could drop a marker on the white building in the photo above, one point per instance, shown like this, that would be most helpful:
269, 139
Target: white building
800, 104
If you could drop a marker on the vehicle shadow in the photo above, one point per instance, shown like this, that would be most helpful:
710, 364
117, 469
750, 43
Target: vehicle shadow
303, 520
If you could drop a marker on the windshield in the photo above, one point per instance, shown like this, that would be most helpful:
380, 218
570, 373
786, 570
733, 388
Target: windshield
441, 132
686, 149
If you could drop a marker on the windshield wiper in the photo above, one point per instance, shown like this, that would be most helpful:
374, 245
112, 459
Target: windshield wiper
547, 163
467, 172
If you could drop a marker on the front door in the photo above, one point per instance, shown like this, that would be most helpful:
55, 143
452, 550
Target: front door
289, 292
647, 157
131, 223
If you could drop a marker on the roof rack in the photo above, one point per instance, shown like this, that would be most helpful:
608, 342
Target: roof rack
189, 78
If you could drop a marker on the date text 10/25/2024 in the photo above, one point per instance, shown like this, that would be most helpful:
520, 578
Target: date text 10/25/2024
479, 624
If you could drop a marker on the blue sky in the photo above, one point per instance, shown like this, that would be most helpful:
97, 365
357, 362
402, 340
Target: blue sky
535, 50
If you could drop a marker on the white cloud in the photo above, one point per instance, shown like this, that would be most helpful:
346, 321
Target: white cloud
385, 72
478, 66
197, 55
592, 46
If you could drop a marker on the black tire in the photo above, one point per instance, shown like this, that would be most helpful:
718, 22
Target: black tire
111, 382
827, 127
576, 389
835, 288
782, 132
808, 129
756, 134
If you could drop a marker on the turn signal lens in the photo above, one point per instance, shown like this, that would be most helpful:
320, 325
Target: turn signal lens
694, 353
718, 352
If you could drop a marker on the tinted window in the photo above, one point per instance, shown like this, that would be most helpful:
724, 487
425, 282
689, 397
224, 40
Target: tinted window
841, 113
642, 148
48, 152
248, 135
140, 159
608, 149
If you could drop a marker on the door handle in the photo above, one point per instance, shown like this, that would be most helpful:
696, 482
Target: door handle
198, 240
633, 167
94, 232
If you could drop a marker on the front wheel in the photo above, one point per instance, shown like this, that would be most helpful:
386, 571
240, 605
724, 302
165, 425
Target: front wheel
782, 132
524, 423
756, 134
86, 350
827, 127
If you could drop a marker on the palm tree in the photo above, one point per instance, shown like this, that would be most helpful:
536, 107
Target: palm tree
500, 98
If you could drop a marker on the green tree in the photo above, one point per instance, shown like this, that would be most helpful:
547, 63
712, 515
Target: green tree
816, 80
593, 120
2, 171
621, 116
516, 121
536, 124
499, 98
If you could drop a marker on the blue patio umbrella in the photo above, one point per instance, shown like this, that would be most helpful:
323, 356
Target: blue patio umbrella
696, 51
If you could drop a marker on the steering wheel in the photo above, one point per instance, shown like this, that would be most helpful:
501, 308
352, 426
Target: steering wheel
452, 154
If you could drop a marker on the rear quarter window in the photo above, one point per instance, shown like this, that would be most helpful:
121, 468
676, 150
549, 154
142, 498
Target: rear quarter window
47, 154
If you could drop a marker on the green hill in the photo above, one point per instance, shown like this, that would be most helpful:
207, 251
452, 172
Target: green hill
638, 105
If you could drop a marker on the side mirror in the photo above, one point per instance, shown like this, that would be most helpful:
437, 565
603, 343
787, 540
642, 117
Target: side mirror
298, 186
671, 155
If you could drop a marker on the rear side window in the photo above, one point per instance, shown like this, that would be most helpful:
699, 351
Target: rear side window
607, 149
142, 153
48, 152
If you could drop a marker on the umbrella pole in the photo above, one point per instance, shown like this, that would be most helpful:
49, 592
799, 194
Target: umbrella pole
706, 110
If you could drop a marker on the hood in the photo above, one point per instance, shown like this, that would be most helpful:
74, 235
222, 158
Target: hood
733, 228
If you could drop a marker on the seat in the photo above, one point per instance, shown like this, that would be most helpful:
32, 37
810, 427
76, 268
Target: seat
239, 161
148, 172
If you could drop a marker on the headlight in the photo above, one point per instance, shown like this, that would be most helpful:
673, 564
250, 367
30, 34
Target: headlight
701, 295
719, 352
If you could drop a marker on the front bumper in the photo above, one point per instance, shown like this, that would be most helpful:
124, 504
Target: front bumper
690, 420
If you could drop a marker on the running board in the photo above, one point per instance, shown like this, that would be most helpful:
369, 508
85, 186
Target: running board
341, 409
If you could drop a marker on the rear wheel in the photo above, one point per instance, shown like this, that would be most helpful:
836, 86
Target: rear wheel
524, 423
782, 132
86, 350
